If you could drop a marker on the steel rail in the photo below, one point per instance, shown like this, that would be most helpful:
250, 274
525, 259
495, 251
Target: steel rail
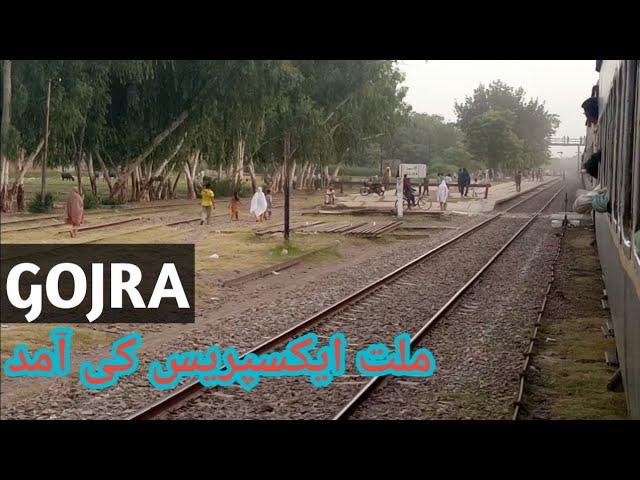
365, 391
103, 213
194, 389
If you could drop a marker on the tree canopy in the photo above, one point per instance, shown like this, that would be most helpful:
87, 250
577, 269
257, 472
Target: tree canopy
145, 117
503, 130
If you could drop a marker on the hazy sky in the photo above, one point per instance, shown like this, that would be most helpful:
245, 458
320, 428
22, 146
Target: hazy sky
563, 85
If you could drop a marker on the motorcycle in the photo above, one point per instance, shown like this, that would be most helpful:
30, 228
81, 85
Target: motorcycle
372, 187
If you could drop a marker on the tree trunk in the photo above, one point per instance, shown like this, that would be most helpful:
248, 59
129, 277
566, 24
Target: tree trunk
303, 176
147, 173
92, 175
140, 158
151, 175
18, 186
3, 187
191, 192
17, 190
175, 185
274, 181
220, 171
238, 169
190, 168
134, 174
252, 173
292, 174
4, 130
335, 173
105, 172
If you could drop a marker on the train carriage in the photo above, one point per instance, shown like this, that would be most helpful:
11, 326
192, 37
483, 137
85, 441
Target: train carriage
617, 136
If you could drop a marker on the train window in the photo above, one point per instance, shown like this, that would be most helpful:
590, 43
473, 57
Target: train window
605, 143
626, 150
613, 142
618, 136
636, 172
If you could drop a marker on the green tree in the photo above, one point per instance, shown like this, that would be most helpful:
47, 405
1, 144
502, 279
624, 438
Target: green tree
490, 138
529, 122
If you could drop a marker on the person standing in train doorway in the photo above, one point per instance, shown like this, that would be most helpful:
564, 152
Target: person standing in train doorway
518, 179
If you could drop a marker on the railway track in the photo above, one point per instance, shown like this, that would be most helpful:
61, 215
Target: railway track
379, 293
56, 220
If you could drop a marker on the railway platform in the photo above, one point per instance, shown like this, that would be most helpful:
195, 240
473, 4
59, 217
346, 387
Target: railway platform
498, 193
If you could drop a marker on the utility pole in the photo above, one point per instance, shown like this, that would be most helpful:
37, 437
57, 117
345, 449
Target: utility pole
287, 153
46, 145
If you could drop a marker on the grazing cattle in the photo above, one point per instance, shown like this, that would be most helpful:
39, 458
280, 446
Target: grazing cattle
66, 176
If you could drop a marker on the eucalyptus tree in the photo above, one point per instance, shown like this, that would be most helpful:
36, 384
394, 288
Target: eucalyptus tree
360, 99
5, 129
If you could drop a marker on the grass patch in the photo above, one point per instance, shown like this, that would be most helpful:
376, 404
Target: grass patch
572, 379
37, 336
327, 255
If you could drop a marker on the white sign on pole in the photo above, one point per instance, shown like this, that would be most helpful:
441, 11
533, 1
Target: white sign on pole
413, 170
399, 195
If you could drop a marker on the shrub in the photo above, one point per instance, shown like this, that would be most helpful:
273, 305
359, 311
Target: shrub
354, 171
90, 201
223, 187
111, 201
36, 205
442, 168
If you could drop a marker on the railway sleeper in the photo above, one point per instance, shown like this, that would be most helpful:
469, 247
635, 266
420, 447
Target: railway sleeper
611, 358
607, 330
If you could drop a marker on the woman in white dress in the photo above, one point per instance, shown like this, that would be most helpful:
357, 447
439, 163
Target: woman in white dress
258, 205
443, 194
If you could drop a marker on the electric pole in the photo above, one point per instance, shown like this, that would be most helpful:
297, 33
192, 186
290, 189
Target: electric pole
287, 153
46, 146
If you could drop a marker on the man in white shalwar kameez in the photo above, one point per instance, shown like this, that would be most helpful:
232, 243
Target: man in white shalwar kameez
258, 205
443, 194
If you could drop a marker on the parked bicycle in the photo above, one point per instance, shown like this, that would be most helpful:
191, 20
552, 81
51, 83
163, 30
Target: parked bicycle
423, 202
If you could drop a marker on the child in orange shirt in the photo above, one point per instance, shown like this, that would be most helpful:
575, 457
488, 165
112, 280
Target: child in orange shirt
235, 203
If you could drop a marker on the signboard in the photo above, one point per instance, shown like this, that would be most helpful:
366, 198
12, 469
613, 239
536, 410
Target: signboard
413, 170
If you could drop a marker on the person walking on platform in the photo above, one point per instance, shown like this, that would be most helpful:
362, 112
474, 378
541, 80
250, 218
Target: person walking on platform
269, 198
330, 196
408, 191
518, 179
207, 204
443, 194
258, 205
466, 182
386, 179
234, 205
75, 211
